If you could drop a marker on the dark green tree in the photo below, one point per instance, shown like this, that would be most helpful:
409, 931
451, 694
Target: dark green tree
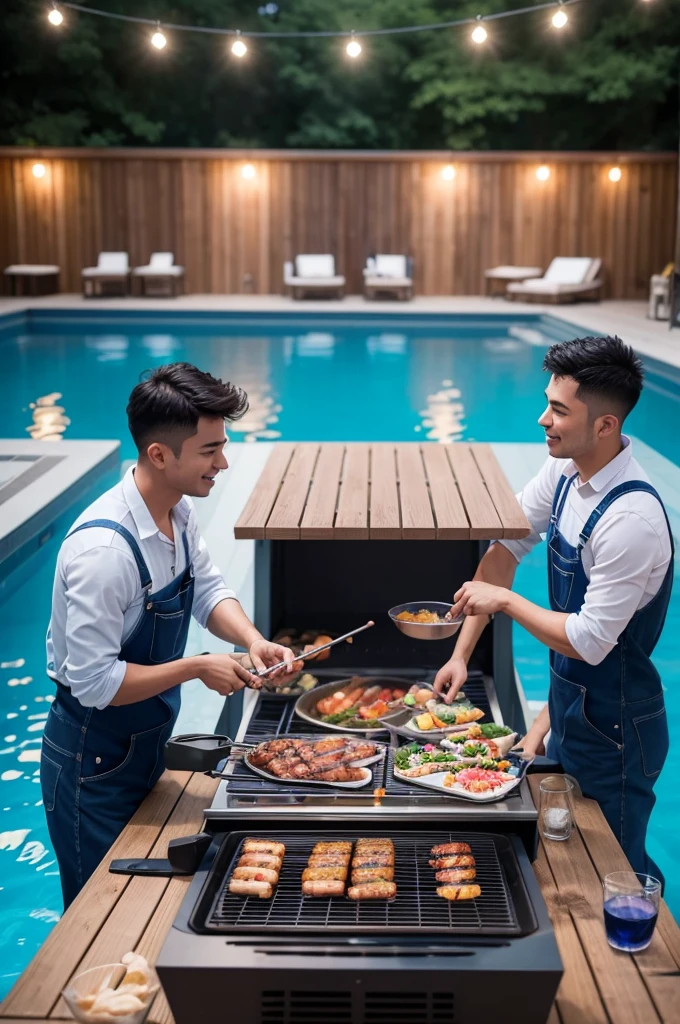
609, 80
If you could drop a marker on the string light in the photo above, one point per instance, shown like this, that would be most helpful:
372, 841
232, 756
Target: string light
353, 47
248, 172
479, 34
615, 174
39, 170
158, 39
55, 17
238, 47
543, 173
560, 17
448, 172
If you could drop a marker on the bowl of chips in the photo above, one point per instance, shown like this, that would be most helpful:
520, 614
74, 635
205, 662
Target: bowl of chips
120, 993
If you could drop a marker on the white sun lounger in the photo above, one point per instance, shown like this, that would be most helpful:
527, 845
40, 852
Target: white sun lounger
313, 274
160, 268
112, 268
567, 278
388, 273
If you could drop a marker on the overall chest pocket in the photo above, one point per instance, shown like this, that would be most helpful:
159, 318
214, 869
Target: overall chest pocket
167, 638
561, 576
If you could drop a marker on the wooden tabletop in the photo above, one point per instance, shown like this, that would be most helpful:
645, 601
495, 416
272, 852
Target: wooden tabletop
115, 913
384, 491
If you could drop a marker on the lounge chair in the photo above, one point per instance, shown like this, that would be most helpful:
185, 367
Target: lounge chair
161, 269
387, 273
567, 278
113, 268
313, 275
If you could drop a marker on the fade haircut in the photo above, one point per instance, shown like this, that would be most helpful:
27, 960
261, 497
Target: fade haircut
608, 373
166, 406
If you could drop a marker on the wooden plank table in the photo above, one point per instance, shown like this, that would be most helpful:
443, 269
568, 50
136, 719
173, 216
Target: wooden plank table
381, 491
115, 913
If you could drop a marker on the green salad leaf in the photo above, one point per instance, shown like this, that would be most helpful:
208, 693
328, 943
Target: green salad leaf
491, 731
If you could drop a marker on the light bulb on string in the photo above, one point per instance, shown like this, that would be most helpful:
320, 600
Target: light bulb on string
238, 47
55, 17
560, 17
353, 48
479, 34
158, 40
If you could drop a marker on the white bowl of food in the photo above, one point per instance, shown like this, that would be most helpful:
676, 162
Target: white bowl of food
120, 993
425, 620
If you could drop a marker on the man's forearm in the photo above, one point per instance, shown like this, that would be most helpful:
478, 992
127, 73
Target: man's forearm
498, 567
142, 681
541, 723
229, 622
547, 626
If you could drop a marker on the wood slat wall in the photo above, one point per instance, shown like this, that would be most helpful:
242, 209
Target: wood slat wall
232, 235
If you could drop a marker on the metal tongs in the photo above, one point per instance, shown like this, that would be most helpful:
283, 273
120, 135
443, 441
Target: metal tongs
261, 673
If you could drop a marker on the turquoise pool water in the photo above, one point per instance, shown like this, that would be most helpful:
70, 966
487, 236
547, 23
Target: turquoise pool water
308, 378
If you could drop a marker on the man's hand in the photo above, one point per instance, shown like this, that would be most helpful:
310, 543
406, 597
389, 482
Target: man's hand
264, 653
533, 744
451, 678
222, 673
478, 598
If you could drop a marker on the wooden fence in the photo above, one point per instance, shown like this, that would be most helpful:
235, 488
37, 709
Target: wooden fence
232, 232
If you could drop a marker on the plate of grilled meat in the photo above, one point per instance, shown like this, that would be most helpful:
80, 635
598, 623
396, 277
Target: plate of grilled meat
340, 761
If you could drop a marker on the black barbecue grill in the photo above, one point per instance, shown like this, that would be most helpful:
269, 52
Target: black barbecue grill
502, 909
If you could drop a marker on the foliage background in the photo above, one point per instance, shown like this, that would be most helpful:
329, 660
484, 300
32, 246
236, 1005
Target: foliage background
607, 81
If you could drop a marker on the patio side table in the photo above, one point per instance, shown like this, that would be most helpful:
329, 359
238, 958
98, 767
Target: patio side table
32, 278
505, 274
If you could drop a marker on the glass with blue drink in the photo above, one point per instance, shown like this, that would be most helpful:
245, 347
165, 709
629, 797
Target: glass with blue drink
631, 907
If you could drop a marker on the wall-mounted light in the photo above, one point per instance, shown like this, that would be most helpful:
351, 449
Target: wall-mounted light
543, 172
448, 172
39, 170
615, 174
248, 172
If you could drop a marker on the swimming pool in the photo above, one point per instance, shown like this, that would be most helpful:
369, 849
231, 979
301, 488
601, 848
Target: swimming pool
309, 378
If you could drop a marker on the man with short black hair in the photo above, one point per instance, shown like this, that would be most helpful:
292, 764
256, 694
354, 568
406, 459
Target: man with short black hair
610, 572
130, 573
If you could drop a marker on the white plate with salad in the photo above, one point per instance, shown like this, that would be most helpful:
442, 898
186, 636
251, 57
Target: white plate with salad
469, 773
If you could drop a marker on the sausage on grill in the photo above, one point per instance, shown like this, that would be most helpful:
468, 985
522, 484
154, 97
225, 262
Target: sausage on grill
456, 875
257, 874
459, 892
327, 887
243, 887
339, 847
380, 873
260, 860
264, 846
456, 860
444, 848
372, 891
338, 873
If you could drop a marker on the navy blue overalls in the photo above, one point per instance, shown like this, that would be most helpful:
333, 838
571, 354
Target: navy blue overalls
608, 721
97, 766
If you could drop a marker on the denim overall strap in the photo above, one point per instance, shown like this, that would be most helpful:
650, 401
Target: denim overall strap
97, 765
608, 721
111, 524
560, 497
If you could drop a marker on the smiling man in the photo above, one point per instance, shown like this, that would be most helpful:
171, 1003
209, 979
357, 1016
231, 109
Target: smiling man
130, 573
610, 572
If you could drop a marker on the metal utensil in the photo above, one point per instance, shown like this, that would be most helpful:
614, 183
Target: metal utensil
441, 630
316, 650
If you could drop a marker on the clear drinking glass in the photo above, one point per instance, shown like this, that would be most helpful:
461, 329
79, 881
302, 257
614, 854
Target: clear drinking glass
555, 809
631, 907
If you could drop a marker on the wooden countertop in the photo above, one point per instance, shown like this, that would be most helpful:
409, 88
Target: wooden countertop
384, 491
116, 913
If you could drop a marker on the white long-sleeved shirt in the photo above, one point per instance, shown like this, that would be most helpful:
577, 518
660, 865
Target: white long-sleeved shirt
626, 558
97, 595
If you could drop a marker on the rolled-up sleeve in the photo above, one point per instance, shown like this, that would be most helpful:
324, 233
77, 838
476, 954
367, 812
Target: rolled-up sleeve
536, 500
209, 585
625, 548
99, 585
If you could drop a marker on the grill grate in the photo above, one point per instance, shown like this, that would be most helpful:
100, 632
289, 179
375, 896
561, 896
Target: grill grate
416, 907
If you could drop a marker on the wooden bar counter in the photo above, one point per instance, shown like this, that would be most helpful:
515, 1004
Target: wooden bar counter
115, 913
